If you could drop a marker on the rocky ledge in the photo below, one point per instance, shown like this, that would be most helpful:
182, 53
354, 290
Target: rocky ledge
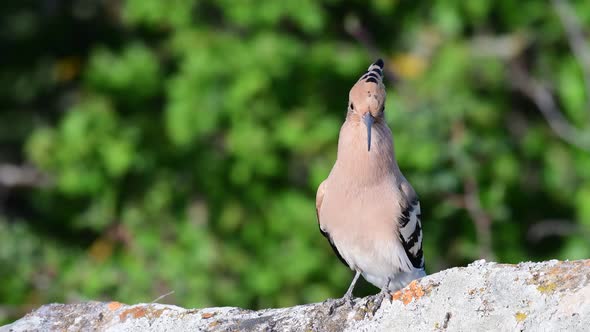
545, 296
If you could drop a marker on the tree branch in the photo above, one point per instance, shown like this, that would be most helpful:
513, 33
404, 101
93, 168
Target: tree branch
470, 201
541, 96
482, 221
21, 176
552, 227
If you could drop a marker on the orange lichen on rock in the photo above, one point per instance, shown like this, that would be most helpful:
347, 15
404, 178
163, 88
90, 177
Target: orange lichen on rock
208, 315
413, 291
560, 277
114, 305
135, 312
141, 311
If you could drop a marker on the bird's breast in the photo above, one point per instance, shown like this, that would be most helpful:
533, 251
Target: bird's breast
361, 222
359, 208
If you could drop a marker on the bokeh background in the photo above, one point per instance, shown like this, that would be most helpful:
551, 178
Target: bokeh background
153, 146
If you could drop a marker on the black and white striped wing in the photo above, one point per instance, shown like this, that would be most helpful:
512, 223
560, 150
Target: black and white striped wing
410, 233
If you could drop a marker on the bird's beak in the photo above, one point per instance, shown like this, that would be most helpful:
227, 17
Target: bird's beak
368, 119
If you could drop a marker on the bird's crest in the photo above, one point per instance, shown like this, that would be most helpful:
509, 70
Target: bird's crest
374, 74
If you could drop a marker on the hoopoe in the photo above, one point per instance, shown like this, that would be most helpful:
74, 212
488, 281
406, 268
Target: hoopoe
366, 208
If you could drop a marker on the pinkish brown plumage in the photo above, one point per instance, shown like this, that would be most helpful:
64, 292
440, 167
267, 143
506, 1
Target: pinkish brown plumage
366, 208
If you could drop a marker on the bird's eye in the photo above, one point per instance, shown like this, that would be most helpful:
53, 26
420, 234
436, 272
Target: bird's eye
351, 106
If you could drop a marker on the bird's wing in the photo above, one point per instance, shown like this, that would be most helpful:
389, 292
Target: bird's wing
410, 227
319, 198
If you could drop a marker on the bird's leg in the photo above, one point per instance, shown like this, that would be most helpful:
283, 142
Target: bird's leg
379, 298
347, 296
348, 293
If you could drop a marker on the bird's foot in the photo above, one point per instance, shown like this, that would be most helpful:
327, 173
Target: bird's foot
337, 303
379, 300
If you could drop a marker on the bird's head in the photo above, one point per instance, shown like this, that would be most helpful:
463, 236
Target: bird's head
367, 98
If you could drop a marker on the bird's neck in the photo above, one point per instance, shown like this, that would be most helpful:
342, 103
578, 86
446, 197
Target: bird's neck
357, 162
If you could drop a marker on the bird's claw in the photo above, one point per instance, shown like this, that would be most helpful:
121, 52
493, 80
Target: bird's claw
379, 300
337, 303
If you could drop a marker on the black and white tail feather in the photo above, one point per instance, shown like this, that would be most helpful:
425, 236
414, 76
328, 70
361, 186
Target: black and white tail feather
410, 233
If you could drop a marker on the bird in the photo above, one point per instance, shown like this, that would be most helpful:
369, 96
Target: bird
366, 208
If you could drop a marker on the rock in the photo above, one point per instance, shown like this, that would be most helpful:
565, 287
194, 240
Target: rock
547, 296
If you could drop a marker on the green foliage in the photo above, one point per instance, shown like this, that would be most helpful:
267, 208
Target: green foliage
185, 140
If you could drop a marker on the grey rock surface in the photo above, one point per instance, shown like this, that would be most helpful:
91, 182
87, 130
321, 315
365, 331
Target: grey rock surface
546, 296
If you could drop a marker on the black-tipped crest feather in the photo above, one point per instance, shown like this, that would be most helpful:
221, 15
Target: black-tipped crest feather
375, 73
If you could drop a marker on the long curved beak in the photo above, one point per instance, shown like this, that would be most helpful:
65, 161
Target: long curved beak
368, 119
